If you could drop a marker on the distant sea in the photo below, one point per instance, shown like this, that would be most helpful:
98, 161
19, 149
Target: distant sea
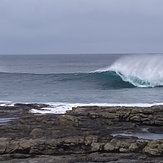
98, 78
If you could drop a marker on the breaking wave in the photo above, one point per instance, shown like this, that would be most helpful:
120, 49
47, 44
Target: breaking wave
127, 72
140, 71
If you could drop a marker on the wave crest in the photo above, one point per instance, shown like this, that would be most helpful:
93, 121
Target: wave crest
140, 70
127, 72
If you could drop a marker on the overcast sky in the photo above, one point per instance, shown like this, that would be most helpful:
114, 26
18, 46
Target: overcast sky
81, 26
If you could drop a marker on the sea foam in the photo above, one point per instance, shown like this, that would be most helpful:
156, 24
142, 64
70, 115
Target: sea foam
61, 108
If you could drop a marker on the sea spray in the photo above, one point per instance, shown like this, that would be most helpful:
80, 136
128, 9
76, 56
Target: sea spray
139, 70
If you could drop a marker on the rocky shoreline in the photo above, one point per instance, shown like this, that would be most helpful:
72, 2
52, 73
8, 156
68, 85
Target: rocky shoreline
83, 134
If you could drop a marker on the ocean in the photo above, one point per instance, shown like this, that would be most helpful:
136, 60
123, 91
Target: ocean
83, 79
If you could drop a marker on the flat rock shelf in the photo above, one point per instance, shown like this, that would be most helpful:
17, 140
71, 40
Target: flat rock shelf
83, 134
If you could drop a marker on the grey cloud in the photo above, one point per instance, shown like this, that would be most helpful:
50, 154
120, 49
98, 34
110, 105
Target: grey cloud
80, 26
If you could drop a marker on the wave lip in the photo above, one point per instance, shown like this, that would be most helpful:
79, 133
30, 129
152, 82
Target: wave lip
136, 81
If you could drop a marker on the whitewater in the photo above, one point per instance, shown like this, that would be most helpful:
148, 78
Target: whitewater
62, 108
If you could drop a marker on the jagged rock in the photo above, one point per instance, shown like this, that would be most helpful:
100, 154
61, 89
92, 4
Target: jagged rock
109, 147
68, 120
82, 134
3, 145
154, 148
148, 116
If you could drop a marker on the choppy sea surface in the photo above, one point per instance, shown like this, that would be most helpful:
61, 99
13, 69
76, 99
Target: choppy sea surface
82, 79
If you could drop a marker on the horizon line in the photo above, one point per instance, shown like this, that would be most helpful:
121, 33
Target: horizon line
81, 53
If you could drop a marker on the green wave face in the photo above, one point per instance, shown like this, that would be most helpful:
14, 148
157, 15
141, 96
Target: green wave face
107, 79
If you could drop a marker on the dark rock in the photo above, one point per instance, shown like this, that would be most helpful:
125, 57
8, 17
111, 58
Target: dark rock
84, 134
